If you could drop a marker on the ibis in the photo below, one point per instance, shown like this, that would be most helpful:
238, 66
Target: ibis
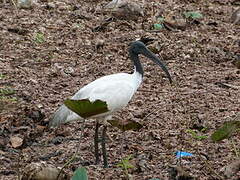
115, 89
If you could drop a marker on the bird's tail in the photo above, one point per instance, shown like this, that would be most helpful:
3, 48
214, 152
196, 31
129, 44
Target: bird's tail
63, 115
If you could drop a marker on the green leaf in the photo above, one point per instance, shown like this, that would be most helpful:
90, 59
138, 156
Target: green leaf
195, 135
125, 125
125, 164
193, 15
157, 26
86, 108
201, 137
225, 131
2, 76
7, 91
80, 174
39, 38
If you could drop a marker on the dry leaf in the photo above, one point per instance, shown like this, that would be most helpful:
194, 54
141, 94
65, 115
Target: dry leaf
40, 128
236, 62
113, 4
175, 24
125, 125
16, 141
235, 18
155, 47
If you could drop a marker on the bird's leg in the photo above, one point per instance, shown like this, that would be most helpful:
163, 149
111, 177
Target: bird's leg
96, 140
104, 151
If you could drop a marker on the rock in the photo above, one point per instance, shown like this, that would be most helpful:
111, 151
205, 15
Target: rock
126, 10
51, 5
26, 4
42, 171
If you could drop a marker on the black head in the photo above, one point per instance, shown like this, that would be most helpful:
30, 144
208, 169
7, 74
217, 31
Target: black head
137, 47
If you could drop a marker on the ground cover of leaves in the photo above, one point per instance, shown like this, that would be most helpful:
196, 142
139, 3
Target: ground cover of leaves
50, 51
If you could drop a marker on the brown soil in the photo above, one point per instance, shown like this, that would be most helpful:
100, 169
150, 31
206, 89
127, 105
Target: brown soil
48, 52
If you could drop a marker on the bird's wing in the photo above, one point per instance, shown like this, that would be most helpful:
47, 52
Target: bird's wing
116, 90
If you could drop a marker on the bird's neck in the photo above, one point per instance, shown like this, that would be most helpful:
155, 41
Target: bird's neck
137, 64
137, 79
138, 70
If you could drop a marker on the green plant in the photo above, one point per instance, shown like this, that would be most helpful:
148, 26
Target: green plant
159, 24
80, 174
6, 91
227, 129
193, 15
5, 94
195, 135
77, 25
2, 76
39, 38
125, 165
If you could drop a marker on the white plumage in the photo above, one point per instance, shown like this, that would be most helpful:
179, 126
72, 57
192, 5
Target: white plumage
116, 90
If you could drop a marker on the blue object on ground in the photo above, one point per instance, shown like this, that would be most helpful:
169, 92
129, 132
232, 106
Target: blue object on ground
180, 154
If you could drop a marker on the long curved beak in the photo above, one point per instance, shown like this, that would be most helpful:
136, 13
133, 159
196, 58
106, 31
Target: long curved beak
155, 59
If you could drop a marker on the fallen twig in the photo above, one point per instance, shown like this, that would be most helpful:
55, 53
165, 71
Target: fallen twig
225, 85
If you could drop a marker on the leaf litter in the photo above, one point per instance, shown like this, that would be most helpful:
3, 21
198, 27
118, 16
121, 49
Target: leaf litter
198, 57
